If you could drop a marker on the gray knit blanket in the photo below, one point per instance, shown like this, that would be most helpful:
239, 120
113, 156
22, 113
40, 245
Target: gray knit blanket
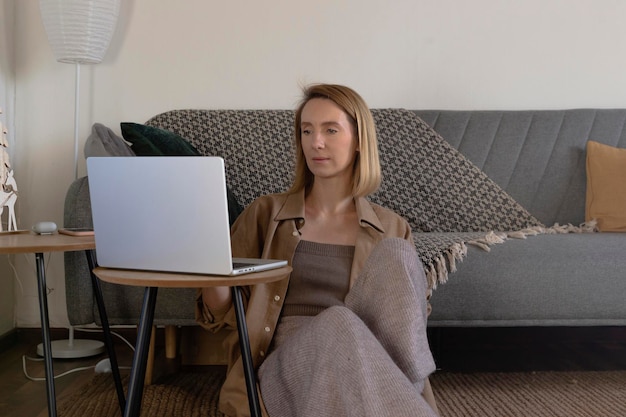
447, 200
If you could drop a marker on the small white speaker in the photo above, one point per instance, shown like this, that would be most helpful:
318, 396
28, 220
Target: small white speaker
43, 228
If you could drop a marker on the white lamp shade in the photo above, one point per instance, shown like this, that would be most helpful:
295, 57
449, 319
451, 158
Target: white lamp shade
79, 31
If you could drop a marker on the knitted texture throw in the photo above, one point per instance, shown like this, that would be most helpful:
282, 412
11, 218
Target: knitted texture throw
446, 199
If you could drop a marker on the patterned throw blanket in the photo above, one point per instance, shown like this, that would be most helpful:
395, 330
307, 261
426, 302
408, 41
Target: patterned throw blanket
447, 200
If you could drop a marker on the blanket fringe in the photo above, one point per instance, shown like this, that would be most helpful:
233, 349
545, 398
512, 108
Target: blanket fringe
446, 263
586, 227
431, 277
490, 239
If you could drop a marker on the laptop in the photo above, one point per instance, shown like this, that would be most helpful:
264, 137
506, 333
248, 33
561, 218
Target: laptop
164, 213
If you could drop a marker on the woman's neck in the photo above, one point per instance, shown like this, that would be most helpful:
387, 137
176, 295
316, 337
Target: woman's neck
330, 216
330, 200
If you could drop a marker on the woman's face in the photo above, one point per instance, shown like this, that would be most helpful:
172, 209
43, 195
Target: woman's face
328, 139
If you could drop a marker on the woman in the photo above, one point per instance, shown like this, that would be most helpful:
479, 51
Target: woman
345, 333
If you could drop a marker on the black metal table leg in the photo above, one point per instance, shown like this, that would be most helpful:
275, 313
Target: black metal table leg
138, 371
246, 355
45, 330
108, 340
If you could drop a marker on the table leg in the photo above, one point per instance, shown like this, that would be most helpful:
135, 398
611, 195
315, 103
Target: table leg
45, 330
138, 371
108, 340
244, 345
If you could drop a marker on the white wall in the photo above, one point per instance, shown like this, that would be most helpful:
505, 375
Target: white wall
452, 54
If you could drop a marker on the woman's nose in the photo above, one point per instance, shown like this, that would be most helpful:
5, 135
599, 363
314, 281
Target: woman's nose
318, 141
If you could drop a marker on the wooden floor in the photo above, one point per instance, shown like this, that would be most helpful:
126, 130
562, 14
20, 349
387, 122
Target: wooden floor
455, 350
22, 397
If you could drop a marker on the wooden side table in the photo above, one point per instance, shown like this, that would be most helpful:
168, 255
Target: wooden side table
152, 281
28, 242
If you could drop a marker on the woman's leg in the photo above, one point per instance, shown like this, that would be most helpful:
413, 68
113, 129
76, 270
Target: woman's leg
333, 366
390, 297
369, 359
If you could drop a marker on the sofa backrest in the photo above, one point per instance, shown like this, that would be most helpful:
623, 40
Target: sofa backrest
538, 157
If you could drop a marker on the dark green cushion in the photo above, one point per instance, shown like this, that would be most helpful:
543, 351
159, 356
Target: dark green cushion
152, 141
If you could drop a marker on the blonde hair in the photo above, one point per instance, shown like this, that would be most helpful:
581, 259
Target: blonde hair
366, 176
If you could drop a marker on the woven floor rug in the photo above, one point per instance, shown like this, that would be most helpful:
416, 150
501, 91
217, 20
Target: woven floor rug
554, 394
538, 394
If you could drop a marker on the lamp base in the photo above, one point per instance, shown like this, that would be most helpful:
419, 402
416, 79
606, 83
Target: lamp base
77, 348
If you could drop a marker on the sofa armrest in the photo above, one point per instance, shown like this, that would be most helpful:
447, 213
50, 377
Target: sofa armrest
78, 289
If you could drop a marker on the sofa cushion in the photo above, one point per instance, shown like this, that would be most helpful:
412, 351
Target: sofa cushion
152, 141
606, 187
104, 142
570, 279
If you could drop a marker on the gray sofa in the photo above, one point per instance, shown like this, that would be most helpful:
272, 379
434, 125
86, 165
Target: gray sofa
571, 279
537, 157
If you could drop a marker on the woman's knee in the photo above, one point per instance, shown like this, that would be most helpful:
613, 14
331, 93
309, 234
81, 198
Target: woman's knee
338, 324
396, 251
392, 270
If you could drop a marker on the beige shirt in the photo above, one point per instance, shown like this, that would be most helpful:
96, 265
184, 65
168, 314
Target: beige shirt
268, 228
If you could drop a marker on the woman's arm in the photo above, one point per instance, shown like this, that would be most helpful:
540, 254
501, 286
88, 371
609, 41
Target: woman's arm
214, 308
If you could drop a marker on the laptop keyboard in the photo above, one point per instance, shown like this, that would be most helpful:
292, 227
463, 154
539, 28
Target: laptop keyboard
237, 265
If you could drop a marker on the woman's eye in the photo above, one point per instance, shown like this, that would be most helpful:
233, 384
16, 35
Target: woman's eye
305, 131
332, 131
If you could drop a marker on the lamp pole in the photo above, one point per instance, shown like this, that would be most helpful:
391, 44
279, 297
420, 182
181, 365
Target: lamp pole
76, 121
79, 32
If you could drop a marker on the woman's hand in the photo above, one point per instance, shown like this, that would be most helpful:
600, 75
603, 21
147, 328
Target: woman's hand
217, 298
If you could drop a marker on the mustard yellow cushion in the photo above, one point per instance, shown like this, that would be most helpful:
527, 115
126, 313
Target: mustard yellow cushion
606, 187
